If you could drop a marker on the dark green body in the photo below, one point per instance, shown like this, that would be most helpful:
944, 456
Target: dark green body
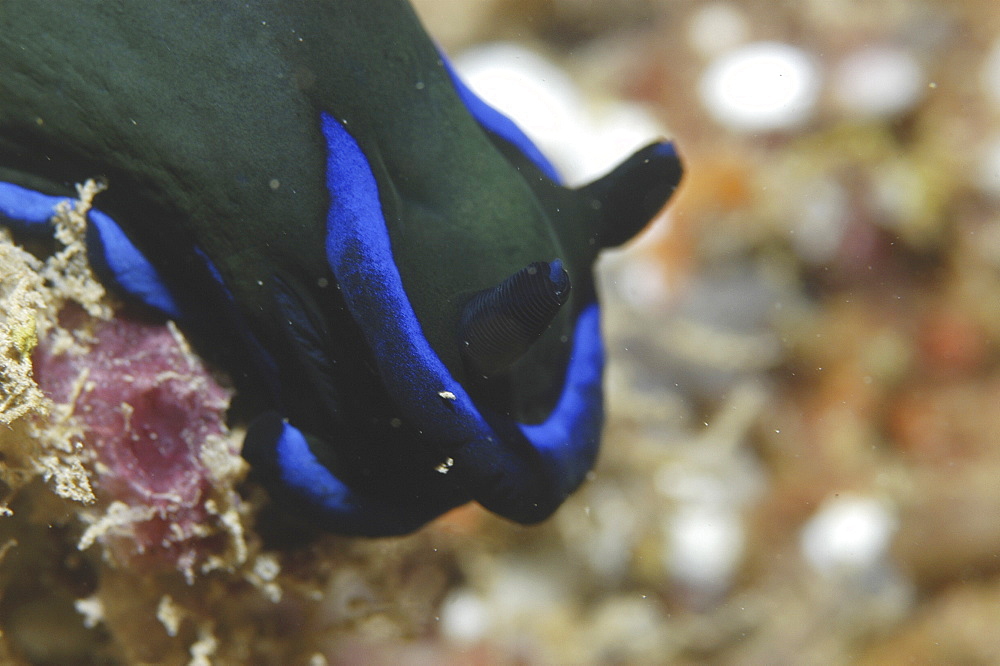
204, 118
208, 110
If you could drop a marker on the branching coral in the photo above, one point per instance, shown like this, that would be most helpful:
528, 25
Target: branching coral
19, 302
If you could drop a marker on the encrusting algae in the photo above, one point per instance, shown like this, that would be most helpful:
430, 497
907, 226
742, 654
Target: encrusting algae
123, 531
117, 418
32, 293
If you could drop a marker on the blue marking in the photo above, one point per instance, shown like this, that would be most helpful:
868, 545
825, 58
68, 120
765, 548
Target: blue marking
216, 274
225, 304
493, 121
26, 209
360, 254
128, 267
526, 479
558, 276
569, 439
117, 257
331, 502
303, 474
665, 149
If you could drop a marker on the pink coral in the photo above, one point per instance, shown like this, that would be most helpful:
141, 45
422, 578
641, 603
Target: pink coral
153, 418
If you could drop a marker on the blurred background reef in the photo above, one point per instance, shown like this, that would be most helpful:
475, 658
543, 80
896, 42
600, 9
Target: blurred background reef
802, 453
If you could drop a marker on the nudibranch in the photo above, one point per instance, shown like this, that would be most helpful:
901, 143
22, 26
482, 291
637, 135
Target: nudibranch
390, 271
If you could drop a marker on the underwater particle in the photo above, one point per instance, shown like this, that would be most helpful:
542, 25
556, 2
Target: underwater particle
761, 86
163, 463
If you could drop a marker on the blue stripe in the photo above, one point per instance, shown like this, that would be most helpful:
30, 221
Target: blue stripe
493, 121
112, 254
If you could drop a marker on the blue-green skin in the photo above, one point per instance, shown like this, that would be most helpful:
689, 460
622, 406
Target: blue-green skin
257, 155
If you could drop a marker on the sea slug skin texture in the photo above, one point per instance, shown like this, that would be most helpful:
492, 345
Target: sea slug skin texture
389, 270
